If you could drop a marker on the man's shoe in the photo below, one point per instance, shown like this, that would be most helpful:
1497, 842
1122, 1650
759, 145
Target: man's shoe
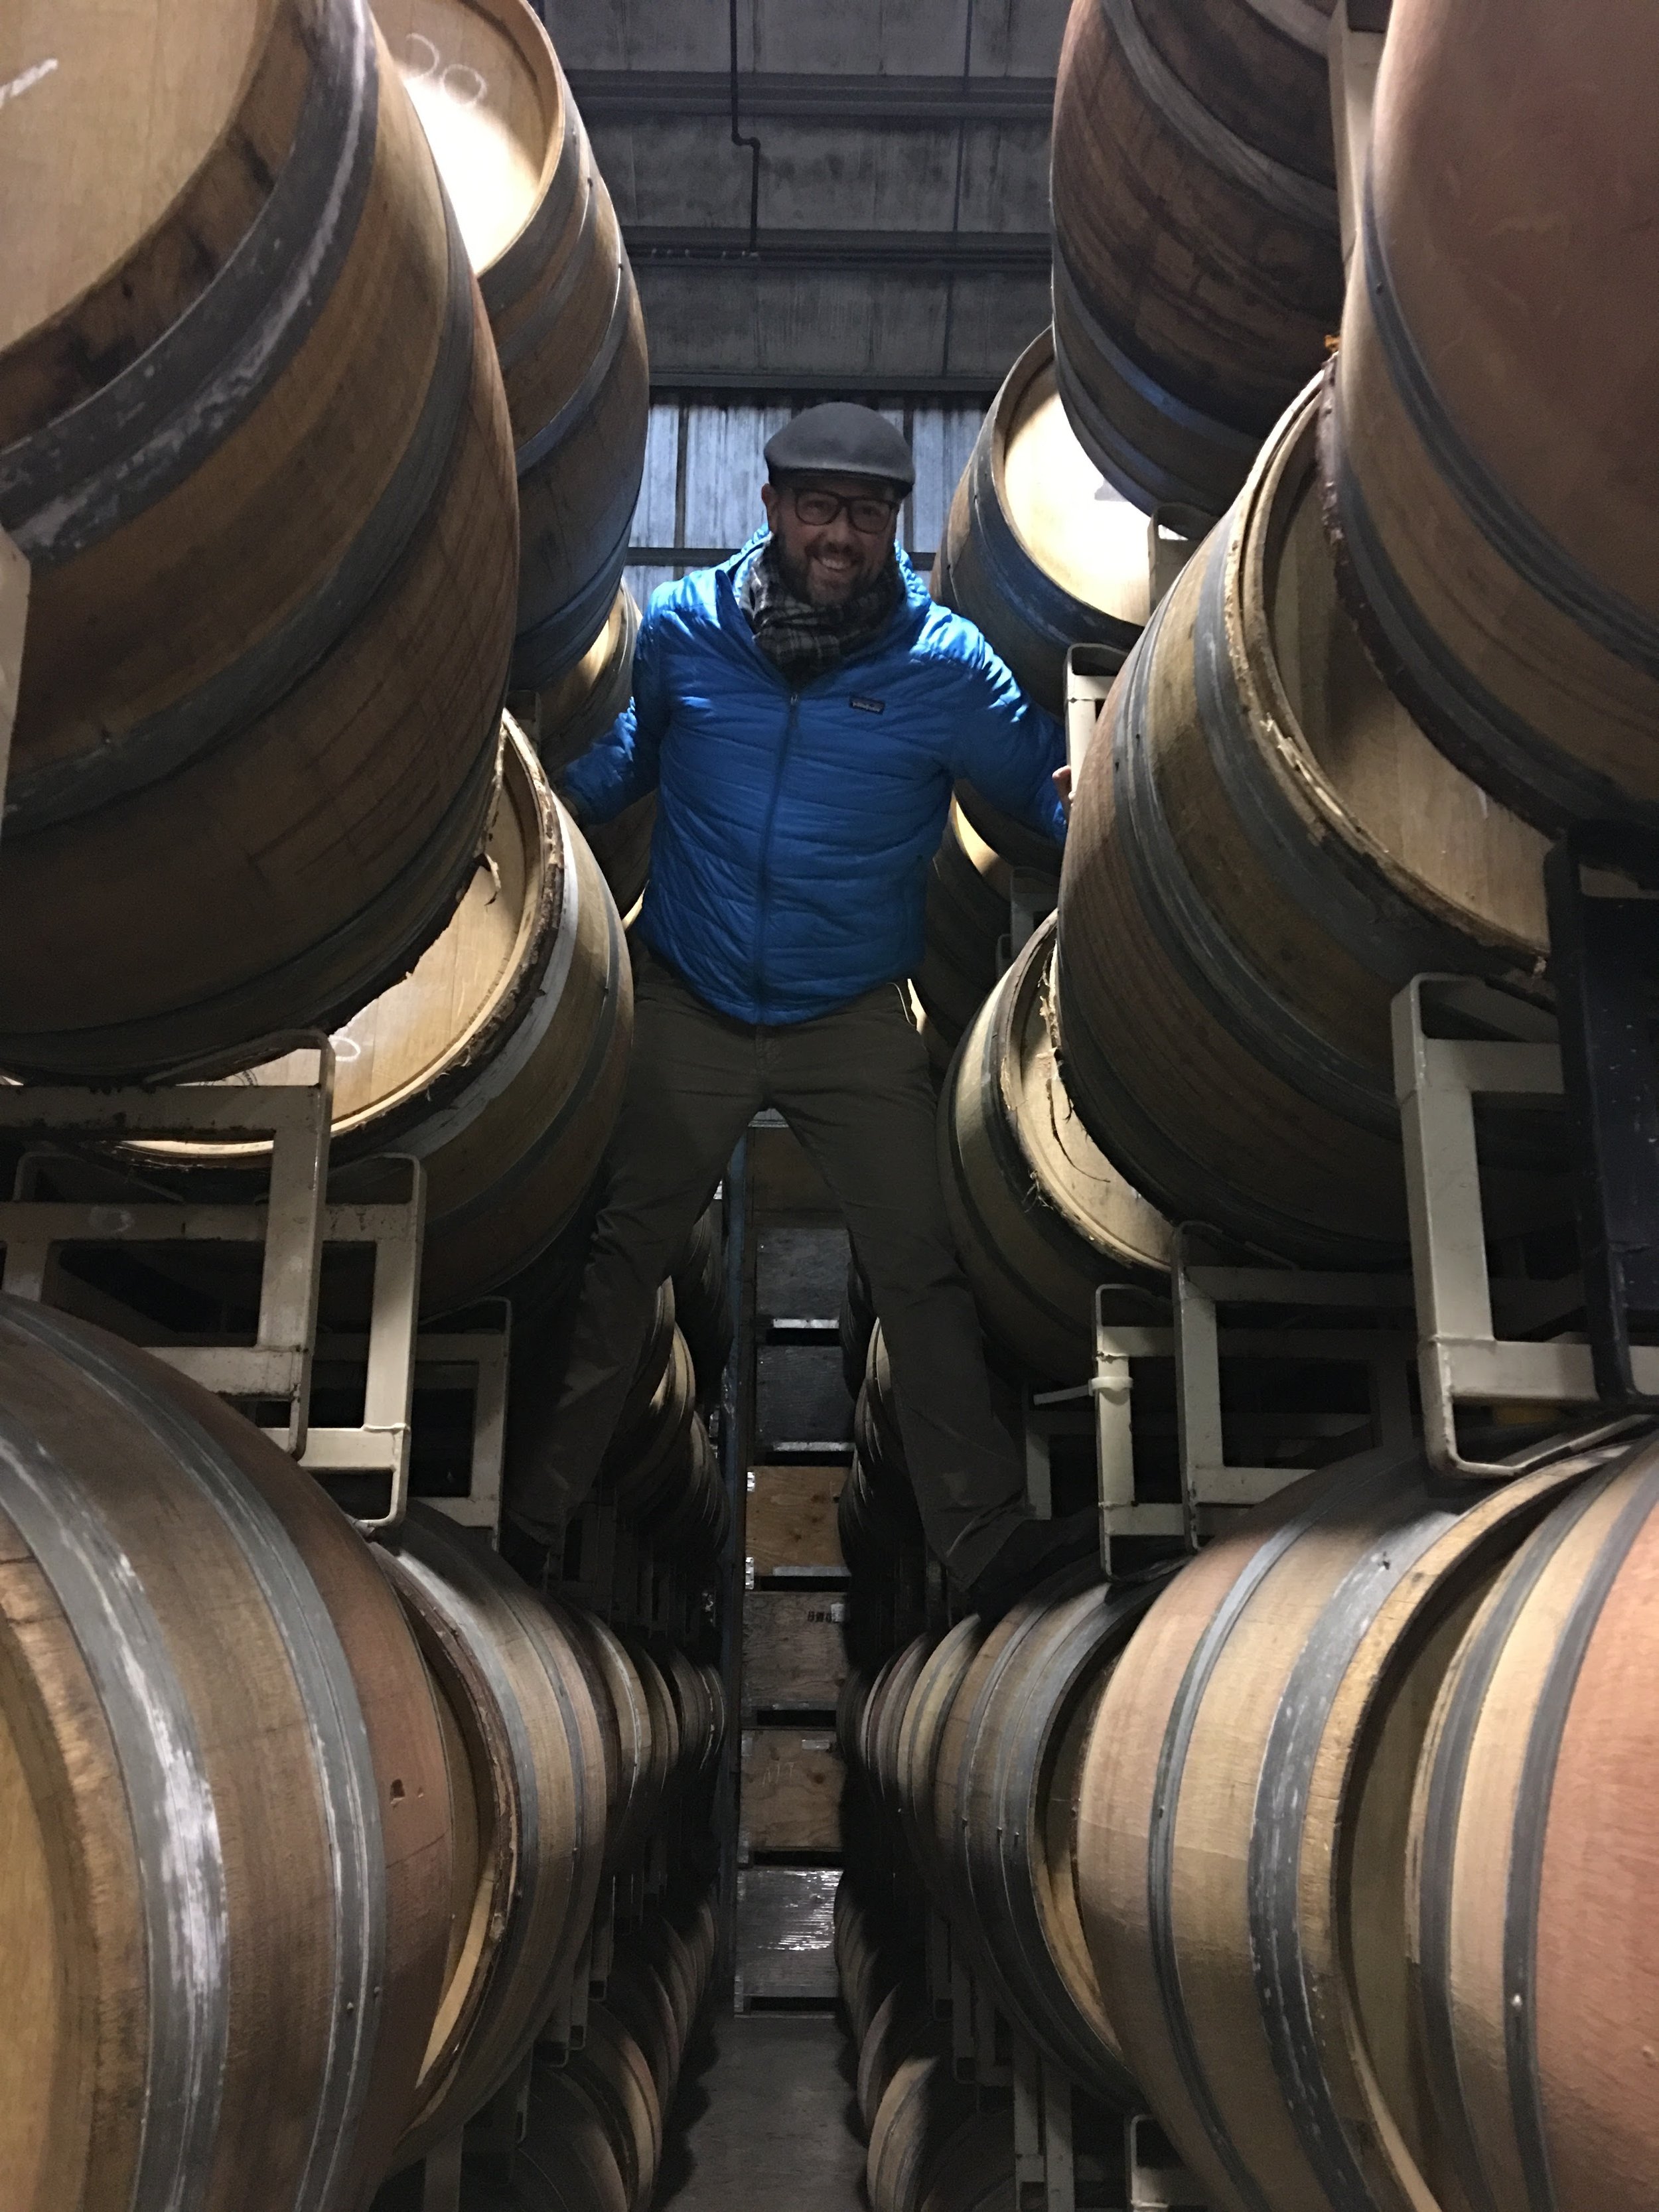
1032, 1551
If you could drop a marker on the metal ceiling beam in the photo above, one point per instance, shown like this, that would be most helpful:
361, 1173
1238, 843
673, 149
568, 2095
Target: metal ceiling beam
971, 386
631, 95
864, 253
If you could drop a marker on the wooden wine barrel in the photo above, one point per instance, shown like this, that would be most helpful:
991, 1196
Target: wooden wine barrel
656, 1360
1039, 1216
702, 1305
1507, 581
694, 1708
697, 1919
511, 1670
877, 1435
1241, 1844
694, 1519
636, 1795
678, 1940
637, 1996
850, 1706
975, 2172
888, 1701
227, 1853
678, 1966
1197, 266
622, 849
864, 1970
922, 2108
664, 1718
610, 2071
567, 2159
500, 1062
1533, 1943
1004, 1782
1038, 549
649, 1462
898, 2028
542, 235
872, 1526
579, 707
967, 918
1264, 849
253, 445
856, 1324
920, 1732
1018, 845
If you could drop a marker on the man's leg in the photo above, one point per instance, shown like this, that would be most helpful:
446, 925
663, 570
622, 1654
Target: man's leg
693, 1087
854, 1085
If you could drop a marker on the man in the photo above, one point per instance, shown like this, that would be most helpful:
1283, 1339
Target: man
802, 711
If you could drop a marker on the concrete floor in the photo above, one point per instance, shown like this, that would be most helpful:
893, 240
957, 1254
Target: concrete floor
764, 2121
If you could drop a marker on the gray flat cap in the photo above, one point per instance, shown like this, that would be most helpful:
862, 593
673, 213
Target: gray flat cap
841, 440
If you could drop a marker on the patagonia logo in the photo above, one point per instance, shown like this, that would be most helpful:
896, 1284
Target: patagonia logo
868, 706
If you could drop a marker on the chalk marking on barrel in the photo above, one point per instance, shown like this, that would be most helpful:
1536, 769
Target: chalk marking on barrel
30, 77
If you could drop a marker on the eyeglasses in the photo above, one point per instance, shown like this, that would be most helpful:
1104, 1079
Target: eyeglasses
869, 516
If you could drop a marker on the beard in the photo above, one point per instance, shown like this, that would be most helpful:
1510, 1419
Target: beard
816, 590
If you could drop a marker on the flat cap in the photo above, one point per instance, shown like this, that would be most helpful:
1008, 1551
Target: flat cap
840, 438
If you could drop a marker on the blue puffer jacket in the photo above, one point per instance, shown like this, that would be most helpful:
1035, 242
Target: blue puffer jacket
789, 862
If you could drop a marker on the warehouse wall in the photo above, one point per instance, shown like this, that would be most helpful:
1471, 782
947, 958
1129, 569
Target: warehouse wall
902, 214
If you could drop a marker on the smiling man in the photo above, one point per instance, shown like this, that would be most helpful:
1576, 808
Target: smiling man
802, 711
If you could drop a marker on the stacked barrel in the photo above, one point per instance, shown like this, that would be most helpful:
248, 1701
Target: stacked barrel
1264, 850
1333, 1850
930, 2144
297, 1827
544, 239
322, 412
294, 416
258, 455
1043, 553
593, 2127
1197, 262
1333, 761
1296, 1852
660, 1477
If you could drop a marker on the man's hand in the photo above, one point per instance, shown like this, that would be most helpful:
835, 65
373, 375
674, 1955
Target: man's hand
1063, 785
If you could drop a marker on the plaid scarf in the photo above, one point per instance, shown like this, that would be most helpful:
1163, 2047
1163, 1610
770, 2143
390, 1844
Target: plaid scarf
802, 642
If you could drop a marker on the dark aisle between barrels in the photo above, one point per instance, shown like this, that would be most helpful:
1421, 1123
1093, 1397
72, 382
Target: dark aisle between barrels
765, 2120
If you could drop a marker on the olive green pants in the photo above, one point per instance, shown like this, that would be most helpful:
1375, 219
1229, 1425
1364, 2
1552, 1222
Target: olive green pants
853, 1086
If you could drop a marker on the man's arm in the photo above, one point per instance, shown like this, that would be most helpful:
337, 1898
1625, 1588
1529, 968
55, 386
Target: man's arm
1003, 744
622, 765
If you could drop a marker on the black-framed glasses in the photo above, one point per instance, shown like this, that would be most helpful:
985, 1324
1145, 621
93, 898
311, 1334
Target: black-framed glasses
870, 516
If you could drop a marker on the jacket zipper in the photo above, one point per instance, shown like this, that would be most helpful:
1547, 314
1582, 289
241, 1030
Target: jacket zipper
765, 870
742, 628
